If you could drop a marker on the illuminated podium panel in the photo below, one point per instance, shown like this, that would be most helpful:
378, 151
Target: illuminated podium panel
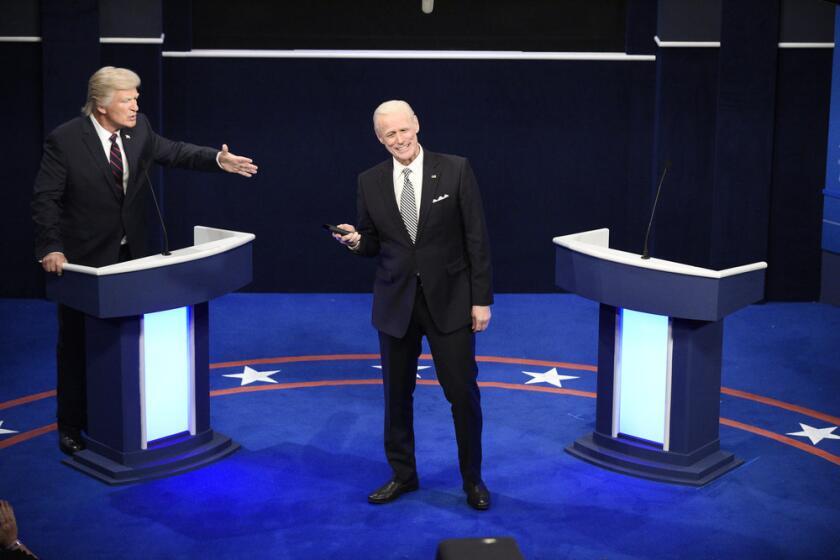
659, 357
146, 327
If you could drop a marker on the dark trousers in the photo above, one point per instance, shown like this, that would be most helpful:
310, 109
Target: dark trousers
70, 359
71, 386
457, 372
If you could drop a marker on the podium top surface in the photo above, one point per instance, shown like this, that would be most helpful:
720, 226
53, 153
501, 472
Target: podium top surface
207, 242
587, 266
218, 263
595, 243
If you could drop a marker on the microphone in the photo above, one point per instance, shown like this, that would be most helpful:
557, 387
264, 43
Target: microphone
645, 252
165, 252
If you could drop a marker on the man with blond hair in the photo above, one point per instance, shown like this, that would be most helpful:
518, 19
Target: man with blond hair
89, 207
421, 213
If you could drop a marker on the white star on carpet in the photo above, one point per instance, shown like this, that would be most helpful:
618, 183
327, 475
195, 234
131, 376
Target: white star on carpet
419, 368
551, 377
3, 432
249, 375
816, 435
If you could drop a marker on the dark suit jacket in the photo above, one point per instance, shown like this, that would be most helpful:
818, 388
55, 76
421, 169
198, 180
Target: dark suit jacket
75, 206
451, 254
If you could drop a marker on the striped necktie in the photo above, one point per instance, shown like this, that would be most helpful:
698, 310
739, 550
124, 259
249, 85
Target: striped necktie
408, 206
116, 162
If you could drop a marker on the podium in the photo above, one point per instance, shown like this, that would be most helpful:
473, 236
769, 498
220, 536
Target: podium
146, 327
659, 357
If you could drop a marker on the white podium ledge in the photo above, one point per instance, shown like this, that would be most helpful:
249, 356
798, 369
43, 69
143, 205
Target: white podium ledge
595, 243
207, 242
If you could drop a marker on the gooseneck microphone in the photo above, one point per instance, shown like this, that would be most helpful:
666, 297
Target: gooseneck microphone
645, 252
159, 215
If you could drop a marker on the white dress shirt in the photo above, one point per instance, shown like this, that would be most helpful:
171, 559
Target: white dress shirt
105, 138
416, 178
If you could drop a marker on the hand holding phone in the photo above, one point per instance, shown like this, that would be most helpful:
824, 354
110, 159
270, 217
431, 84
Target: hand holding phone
335, 229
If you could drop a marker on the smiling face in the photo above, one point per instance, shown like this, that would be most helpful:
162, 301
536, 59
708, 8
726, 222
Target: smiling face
397, 131
121, 112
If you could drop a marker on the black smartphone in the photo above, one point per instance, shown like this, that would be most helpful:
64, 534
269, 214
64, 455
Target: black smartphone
337, 230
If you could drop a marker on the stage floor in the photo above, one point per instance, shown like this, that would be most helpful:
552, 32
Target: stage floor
294, 380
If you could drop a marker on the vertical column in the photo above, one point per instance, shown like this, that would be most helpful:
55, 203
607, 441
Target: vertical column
70, 36
743, 156
830, 285
132, 37
714, 122
803, 97
687, 69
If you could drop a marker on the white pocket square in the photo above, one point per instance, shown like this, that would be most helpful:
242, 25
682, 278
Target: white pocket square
441, 197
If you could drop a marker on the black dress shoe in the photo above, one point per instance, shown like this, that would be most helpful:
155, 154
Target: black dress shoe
70, 441
392, 490
478, 496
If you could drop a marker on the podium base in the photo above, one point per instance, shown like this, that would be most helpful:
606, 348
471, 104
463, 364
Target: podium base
192, 457
662, 466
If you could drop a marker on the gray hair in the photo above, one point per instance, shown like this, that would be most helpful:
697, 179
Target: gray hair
104, 83
389, 107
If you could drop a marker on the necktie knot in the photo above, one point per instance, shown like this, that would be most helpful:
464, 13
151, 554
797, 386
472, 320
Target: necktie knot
113, 138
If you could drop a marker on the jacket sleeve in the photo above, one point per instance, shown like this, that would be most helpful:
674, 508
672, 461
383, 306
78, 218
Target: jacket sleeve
369, 244
476, 238
181, 154
47, 196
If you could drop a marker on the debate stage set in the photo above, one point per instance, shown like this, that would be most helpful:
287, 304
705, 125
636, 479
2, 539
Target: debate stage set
660, 376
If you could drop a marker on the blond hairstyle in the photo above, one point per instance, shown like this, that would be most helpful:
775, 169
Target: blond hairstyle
389, 107
104, 83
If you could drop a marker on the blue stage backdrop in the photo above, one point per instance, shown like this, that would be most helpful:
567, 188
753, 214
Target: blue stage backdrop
557, 146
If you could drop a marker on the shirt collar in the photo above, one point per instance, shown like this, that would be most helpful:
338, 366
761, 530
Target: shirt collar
103, 134
416, 166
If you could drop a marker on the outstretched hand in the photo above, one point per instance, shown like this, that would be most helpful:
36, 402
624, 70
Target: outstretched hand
236, 164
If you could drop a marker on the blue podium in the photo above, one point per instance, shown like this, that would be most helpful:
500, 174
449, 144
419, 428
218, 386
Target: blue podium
659, 357
146, 327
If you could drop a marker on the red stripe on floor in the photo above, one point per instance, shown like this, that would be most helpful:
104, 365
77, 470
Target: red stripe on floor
781, 404
801, 445
20, 438
27, 399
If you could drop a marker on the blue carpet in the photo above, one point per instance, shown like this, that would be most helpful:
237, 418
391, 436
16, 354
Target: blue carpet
310, 455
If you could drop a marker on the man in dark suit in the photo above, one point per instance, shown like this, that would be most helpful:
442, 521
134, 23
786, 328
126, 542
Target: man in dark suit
89, 205
433, 279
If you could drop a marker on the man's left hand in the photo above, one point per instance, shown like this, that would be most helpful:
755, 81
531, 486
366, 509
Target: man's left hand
480, 317
236, 164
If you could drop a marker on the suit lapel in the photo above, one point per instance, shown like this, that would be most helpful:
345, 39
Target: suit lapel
131, 145
430, 187
392, 209
94, 146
